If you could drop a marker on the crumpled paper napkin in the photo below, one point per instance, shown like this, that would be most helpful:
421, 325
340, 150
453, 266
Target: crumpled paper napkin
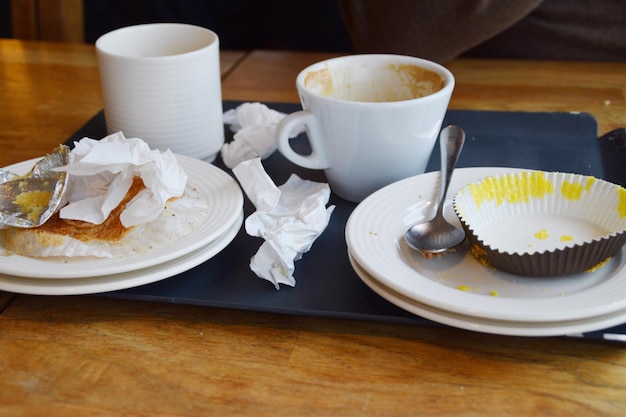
102, 171
289, 218
254, 125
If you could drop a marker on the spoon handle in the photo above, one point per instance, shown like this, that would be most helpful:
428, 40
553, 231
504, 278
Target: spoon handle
451, 141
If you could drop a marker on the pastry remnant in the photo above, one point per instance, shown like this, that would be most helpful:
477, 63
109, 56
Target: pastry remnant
110, 239
57, 230
124, 200
33, 203
434, 255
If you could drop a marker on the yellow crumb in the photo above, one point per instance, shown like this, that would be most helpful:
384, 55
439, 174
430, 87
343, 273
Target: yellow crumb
566, 238
33, 203
33, 198
542, 234
480, 254
598, 265
463, 288
494, 293
478, 251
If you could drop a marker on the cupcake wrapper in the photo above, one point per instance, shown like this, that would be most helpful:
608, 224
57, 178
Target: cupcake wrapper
541, 224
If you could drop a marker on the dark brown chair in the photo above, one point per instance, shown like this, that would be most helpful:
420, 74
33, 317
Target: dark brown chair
49, 20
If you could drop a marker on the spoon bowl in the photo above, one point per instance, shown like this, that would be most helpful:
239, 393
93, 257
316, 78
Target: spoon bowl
434, 236
437, 235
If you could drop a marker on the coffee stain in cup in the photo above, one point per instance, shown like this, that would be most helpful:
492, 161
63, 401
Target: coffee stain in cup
419, 81
394, 82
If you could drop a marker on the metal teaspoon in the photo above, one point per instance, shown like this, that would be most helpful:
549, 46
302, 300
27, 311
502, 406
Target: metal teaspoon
437, 235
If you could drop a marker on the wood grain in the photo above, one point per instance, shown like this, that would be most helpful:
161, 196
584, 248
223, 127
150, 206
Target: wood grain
97, 356
269, 76
595, 88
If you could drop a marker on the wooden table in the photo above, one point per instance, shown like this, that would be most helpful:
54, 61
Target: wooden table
85, 355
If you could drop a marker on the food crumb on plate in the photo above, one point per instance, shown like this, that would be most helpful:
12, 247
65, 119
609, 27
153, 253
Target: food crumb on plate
598, 265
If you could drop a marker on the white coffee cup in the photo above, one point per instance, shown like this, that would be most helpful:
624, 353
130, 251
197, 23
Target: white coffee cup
161, 82
371, 120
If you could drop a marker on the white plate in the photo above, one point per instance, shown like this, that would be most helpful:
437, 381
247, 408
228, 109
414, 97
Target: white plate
121, 281
218, 188
510, 328
375, 237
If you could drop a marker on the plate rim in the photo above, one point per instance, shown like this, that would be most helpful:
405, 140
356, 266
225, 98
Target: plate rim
485, 325
125, 280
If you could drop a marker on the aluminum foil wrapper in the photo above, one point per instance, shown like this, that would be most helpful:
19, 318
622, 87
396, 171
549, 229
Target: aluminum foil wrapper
6, 175
29, 200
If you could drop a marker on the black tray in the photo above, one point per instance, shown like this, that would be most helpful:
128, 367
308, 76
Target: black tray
326, 284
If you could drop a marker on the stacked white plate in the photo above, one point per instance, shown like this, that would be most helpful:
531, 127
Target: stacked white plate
85, 276
457, 290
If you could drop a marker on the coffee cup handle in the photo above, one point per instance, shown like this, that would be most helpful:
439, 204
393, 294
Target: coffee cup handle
317, 158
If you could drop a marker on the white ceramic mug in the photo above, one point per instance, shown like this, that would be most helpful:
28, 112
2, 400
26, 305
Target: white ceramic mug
371, 120
161, 82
